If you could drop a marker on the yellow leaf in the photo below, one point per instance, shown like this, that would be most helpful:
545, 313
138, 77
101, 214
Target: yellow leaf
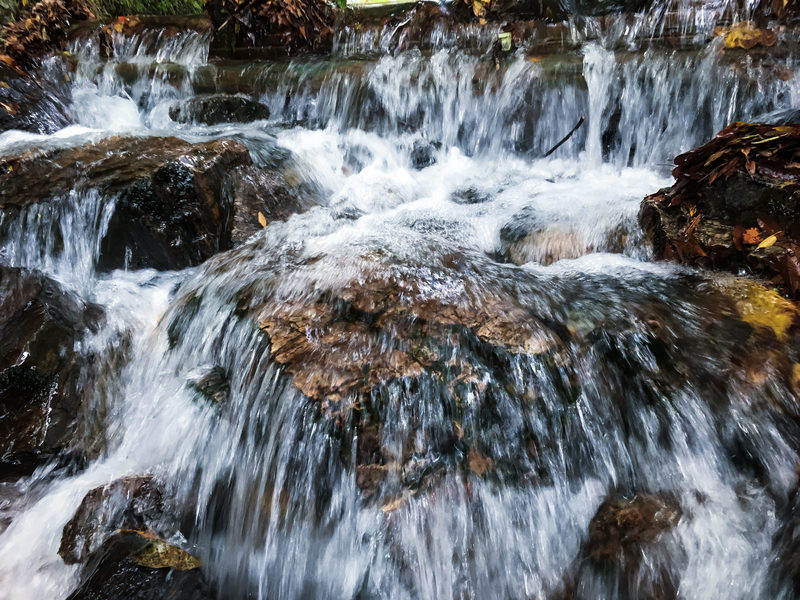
767, 242
24, 2
118, 27
764, 308
4, 85
262, 219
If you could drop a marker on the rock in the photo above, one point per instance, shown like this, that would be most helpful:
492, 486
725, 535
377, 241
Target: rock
27, 105
734, 205
380, 333
265, 191
212, 383
45, 384
381, 326
170, 209
423, 153
211, 109
617, 560
135, 503
526, 238
622, 526
132, 565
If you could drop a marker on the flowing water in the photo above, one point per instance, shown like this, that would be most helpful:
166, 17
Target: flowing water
268, 479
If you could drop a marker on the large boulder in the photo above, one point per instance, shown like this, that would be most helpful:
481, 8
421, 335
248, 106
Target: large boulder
45, 383
734, 205
170, 210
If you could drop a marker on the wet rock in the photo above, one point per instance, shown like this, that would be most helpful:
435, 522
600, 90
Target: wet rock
212, 384
170, 211
734, 206
131, 565
28, 105
619, 559
526, 238
43, 396
267, 192
622, 526
423, 153
381, 326
135, 503
381, 334
211, 109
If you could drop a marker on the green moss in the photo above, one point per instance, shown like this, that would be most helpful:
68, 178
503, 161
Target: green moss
116, 8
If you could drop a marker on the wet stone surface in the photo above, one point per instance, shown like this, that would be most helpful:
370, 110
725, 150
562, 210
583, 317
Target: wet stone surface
43, 379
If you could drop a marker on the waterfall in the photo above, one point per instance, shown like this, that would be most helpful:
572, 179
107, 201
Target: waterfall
558, 368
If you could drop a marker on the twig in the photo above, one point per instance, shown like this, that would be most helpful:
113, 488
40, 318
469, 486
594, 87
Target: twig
566, 137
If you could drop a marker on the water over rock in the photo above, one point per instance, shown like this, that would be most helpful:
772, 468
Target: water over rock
622, 533
43, 378
134, 502
531, 237
28, 105
734, 206
170, 210
211, 109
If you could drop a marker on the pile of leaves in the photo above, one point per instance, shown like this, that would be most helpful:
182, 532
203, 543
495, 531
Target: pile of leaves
40, 30
735, 204
296, 23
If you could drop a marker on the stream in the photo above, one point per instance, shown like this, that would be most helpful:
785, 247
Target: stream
487, 356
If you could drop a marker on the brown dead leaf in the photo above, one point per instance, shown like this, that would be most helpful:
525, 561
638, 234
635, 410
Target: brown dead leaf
478, 463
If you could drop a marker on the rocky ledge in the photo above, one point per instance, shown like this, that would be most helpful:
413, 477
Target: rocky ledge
176, 203
734, 205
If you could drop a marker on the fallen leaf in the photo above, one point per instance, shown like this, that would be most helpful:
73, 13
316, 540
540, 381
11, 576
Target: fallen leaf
751, 236
478, 463
159, 554
746, 35
767, 242
262, 219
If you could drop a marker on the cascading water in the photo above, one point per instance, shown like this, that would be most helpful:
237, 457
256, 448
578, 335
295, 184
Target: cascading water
431, 204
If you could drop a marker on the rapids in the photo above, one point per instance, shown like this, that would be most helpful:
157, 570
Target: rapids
267, 481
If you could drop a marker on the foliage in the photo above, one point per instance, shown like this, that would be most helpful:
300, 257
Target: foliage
298, 23
41, 29
116, 8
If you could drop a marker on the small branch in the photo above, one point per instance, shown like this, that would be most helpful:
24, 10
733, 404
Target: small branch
566, 137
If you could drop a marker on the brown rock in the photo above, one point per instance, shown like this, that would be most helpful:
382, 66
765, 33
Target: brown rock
622, 526
267, 192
